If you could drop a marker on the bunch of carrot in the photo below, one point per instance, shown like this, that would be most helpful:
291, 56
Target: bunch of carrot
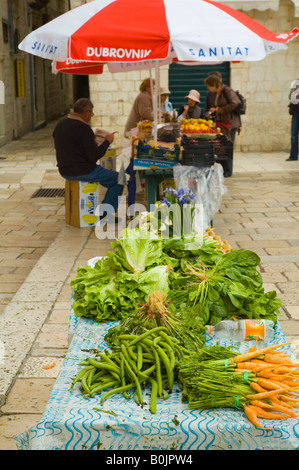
264, 383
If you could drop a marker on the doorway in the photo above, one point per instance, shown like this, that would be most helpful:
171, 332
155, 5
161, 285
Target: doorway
183, 78
80, 86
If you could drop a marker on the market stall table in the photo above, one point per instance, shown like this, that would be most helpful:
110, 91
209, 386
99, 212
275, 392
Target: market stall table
72, 422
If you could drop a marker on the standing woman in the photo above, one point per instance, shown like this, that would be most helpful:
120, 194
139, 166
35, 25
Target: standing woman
225, 101
142, 108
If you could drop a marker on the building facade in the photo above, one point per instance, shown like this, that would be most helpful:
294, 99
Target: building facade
32, 94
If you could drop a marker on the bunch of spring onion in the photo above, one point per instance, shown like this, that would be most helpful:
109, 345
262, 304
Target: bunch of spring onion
159, 311
263, 383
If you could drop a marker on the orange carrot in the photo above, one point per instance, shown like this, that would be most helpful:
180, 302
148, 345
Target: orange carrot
269, 393
280, 353
260, 363
257, 388
259, 367
276, 401
285, 369
274, 407
280, 360
270, 374
282, 378
246, 365
270, 384
291, 383
253, 347
251, 415
288, 401
251, 355
260, 413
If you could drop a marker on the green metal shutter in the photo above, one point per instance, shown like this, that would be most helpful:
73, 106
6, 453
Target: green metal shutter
183, 78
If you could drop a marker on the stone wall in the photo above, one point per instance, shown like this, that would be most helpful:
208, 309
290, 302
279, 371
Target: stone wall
46, 96
266, 125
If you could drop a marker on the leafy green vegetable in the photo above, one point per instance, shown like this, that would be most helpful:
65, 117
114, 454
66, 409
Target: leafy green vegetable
156, 312
136, 251
112, 300
204, 282
232, 287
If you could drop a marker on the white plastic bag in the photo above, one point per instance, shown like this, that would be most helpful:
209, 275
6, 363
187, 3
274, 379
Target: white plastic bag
122, 176
208, 186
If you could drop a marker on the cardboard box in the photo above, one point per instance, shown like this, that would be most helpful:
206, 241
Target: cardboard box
108, 161
81, 200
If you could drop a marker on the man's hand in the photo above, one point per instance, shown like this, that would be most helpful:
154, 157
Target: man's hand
110, 138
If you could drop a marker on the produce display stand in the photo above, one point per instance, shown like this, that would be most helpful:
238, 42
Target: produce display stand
73, 422
156, 165
202, 151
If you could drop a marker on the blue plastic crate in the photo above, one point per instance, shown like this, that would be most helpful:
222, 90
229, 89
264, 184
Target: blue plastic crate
161, 157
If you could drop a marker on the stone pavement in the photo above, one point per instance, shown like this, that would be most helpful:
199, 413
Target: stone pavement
39, 255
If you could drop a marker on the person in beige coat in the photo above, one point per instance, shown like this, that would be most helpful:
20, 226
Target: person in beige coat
225, 101
142, 108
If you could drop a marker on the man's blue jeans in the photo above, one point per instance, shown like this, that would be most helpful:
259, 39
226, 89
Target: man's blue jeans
294, 135
108, 179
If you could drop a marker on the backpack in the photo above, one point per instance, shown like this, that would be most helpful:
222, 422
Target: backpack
241, 108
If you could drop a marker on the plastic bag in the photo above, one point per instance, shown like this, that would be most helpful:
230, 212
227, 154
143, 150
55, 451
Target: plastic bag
122, 176
208, 186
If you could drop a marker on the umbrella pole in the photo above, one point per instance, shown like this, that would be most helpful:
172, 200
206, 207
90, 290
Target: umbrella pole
155, 99
153, 91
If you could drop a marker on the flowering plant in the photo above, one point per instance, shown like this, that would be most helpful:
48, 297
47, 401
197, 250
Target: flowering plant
180, 196
172, 216
180, 210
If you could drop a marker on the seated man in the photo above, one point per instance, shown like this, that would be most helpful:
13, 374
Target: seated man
77, 153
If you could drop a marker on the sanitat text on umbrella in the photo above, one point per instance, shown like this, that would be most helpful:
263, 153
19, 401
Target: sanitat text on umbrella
42, 47
220, 51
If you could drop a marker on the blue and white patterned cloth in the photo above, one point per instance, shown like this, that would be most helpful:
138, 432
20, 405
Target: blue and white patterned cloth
72, 422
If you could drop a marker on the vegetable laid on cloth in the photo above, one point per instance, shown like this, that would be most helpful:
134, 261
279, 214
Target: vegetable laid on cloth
223, 288
198, 273
222, 382
159, 311
148, 358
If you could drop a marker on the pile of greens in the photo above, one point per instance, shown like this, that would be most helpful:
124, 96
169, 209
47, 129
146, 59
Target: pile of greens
198, 277
228, 287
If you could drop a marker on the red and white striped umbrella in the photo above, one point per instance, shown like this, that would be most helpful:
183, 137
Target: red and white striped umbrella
134, 30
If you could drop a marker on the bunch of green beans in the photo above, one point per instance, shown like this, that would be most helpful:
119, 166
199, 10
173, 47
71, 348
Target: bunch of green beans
140, 359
